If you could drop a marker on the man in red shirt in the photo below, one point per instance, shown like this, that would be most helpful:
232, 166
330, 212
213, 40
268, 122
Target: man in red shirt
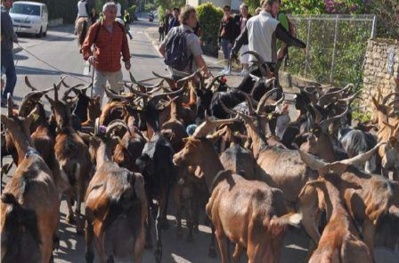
111, 43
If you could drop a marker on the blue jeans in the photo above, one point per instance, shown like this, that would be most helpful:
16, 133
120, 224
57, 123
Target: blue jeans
225, 47
8, 68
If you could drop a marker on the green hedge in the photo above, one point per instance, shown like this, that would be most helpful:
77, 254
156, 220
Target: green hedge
209, 18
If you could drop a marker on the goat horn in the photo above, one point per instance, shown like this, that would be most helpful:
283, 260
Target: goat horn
154, 99
73, 88
112, 95
330, 120
114, 124
279, 101
318, 114
227, 110
168, 80
214, 79
208, 125
138, 93
361, 158
351, 98
263, 100
249, 101
386, 98
393, 102
186, 79
260, 62
27, 82
33, 96
309, 160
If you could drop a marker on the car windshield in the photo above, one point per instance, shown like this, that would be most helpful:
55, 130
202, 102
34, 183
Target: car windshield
25, 9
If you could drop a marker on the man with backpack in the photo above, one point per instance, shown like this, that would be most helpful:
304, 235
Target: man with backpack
181, 47
110, 44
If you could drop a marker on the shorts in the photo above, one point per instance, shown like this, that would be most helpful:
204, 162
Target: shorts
244, 59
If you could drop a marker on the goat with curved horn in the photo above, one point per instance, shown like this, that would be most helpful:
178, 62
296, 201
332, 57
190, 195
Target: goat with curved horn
185, 79
264, 98
29, 99
249, 102
350, 99
115, 124
112, 95
260, 62
74, 89
386, 98
330, 120
168, 80
154, 99
213, 80
311, 161
208, 125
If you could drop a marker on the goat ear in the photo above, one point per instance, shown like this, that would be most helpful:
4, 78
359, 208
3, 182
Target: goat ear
393, 141
313, 183
4, 119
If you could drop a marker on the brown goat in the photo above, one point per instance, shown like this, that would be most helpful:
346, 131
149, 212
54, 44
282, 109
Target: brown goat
30, 203
376, 197
74, 160
116, 206
249, 213
340, 241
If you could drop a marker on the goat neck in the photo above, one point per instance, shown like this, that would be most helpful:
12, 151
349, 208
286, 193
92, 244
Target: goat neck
20, 136
103, 153
211, 164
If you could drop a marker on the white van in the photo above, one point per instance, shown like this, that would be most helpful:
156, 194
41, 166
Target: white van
30, 17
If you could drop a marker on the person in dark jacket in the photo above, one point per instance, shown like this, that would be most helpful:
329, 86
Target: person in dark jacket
166, 20
227, 35
8, 37
175, 19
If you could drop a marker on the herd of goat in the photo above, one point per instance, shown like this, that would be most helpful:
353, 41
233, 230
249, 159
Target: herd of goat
254, 170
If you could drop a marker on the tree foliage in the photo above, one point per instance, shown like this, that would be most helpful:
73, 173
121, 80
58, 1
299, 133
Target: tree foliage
209, 17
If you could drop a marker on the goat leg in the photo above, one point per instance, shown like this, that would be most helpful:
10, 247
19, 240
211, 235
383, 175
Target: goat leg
178, 202
148, 238
212, 249
190, 219
79, 223
158, 234
89, 255
237, 253
70, 216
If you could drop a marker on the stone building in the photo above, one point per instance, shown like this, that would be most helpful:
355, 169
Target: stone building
381, 67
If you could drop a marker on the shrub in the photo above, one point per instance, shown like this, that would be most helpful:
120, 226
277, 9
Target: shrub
209, 18
161, 12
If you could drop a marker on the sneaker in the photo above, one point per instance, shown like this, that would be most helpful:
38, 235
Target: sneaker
244, 72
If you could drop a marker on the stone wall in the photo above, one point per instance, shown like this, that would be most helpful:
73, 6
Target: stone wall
380, 68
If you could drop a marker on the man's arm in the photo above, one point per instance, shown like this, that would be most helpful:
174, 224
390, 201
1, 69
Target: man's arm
239, 42
199, 61
7, 30
86, 47
284, 36
125, 48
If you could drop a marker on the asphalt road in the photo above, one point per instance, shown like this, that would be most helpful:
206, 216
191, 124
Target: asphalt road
57, 55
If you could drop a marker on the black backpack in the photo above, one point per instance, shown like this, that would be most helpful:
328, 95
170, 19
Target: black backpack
177, 55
